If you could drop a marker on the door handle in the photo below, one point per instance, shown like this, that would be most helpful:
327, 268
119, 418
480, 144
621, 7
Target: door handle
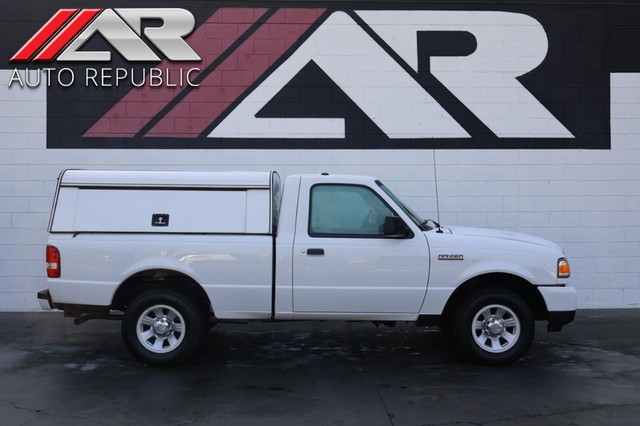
315, 252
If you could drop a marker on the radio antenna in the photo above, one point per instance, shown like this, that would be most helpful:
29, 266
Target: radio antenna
435, 178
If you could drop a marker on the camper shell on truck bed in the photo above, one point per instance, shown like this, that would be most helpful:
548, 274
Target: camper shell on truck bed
166, 202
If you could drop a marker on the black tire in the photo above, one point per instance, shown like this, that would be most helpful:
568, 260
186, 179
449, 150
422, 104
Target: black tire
163, 327
503, 331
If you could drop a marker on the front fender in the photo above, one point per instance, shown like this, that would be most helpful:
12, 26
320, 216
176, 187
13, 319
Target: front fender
446, 278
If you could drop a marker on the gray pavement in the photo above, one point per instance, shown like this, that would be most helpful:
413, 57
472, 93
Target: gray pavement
319, 373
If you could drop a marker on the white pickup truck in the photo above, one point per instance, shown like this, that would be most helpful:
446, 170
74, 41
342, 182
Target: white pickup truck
170, 253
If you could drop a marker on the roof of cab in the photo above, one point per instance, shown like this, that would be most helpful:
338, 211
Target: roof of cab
126, 178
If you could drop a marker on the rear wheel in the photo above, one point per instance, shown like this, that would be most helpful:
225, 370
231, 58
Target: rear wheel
494, 327
163, 327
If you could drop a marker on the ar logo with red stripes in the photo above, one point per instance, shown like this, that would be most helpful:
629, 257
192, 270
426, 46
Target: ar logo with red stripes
67, 31
323, 78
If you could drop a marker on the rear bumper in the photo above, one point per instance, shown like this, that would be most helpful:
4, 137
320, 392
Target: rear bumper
44, 297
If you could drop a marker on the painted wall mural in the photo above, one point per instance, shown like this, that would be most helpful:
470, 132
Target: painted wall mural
431, 75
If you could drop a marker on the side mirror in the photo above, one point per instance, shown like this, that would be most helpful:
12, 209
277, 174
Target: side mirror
394, 227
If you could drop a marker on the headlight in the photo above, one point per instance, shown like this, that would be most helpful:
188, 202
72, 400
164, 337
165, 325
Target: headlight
564, 270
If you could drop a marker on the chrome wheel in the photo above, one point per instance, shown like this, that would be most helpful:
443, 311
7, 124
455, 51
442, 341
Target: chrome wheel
160, 329
496, 328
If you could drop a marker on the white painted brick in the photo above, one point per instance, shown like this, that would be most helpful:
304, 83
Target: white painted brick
591, 157
456, 204
594, 219
597, 247
535, 219
5, 220
564, 219
62, 156
29, 220
490, 172
13, 236
609, 297
623, 280
40, 204
21, 268
13, 204
549, 204
134, 156
625, 249
473, 219
29, 156
411, 157
22, 189
626, 156
631, 234
625, 188
10, 302
502, 220
631, 297
609, 264
586, 298
632, 264
37, 236
14, 173
470, 188
632, 172
6, 157
89, 158
21, 252
488, 204
533, 188
454, 172
44, 172
391, 173
423, 204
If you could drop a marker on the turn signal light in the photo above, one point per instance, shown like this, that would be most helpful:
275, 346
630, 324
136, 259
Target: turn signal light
564, 270
53, 262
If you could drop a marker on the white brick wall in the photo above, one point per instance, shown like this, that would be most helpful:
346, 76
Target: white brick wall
587, 201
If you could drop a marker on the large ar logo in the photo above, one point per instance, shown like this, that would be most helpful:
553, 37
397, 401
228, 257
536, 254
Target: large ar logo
385, 83
316, 78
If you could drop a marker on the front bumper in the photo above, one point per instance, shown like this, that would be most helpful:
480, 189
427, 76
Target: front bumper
44, 297
558, 319
561, 304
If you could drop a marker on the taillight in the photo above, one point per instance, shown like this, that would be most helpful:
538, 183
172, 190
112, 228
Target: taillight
53, 262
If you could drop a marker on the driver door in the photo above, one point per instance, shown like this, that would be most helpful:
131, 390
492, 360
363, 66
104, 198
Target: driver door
342, 261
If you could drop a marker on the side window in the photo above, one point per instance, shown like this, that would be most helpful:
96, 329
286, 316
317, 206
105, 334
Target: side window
346, 210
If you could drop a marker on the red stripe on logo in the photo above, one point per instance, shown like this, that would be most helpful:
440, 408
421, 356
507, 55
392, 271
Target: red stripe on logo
140, 105
69, 32
43, 35
236, 74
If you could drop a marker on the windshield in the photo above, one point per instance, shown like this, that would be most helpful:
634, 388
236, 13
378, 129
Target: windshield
415, 217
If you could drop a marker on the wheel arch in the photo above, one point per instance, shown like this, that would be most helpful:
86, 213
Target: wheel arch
157, 279
523, 288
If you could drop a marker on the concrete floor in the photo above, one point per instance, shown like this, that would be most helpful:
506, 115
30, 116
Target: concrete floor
315, 373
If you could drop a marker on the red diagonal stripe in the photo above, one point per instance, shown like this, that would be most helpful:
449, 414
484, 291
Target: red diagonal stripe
140, 105
43, 35
54, 47
236, 74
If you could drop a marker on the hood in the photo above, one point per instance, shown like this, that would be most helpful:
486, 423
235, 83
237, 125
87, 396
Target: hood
502, 235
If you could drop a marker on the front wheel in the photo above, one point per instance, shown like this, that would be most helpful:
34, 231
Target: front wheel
162, 327
494, 327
